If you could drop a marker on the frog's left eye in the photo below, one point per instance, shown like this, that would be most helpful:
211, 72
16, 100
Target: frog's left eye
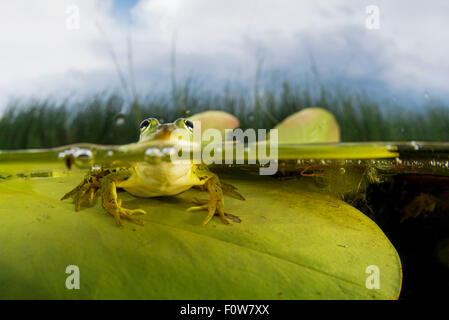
148, 123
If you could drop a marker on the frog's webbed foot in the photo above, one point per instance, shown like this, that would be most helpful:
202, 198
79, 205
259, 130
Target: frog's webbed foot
202, 202
85, 192
104, 182
213, 207
127, 214
216, 203
112, 204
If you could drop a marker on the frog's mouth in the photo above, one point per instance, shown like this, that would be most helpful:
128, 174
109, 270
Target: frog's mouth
163, 134
168, 140
162, 143
168, 133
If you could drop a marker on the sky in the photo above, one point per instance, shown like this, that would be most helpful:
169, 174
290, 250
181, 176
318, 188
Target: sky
62, 48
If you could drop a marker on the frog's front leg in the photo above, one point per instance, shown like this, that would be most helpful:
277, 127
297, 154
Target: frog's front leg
216, 201
112, 204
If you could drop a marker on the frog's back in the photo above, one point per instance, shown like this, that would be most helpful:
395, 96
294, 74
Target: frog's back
163, 179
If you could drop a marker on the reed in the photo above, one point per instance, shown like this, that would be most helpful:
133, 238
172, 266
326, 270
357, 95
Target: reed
106, 119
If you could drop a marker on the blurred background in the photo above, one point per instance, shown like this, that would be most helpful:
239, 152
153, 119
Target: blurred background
91, 70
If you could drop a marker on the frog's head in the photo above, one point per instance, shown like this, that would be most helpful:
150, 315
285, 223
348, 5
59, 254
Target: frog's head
152, 130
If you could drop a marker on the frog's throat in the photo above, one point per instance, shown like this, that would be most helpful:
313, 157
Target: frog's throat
163, 179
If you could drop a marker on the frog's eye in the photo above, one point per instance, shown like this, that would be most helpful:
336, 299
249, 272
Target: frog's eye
147, 123
144, 124
189, 124
184, 123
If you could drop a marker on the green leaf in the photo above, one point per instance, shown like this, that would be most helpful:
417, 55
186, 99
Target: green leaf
293, 243
310, 125
216, 119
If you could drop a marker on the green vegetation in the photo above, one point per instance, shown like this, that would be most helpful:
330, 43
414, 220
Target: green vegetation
101, 119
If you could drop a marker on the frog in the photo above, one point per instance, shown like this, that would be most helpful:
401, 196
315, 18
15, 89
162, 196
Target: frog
147, 180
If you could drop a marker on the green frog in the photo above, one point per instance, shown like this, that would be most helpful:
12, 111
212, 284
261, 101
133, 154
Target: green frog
146, 180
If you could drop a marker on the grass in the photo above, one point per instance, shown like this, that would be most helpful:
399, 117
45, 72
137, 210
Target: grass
103, 118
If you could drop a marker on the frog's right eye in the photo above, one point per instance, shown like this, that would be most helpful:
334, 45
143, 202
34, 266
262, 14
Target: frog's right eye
148, 123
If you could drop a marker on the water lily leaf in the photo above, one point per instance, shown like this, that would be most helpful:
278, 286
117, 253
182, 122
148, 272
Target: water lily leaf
216, 119
292, 243
310, 125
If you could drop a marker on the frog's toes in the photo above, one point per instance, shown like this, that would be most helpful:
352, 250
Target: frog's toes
91, 196
233, 217
85, 195
213, 207
128, 214
198, 208
226, 220
121, 213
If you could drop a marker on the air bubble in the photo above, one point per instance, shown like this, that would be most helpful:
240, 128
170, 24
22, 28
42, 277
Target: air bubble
415, 145
153, 152
153, 155
82, 158
120, 120
169, 151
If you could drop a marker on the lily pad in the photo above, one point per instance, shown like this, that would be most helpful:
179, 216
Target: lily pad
293, 243
216, 119
310, 125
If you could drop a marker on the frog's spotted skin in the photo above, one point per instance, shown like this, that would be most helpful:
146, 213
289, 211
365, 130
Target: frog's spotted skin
152, 180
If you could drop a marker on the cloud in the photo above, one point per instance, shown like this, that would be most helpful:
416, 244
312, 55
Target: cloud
37, 45
219, 41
